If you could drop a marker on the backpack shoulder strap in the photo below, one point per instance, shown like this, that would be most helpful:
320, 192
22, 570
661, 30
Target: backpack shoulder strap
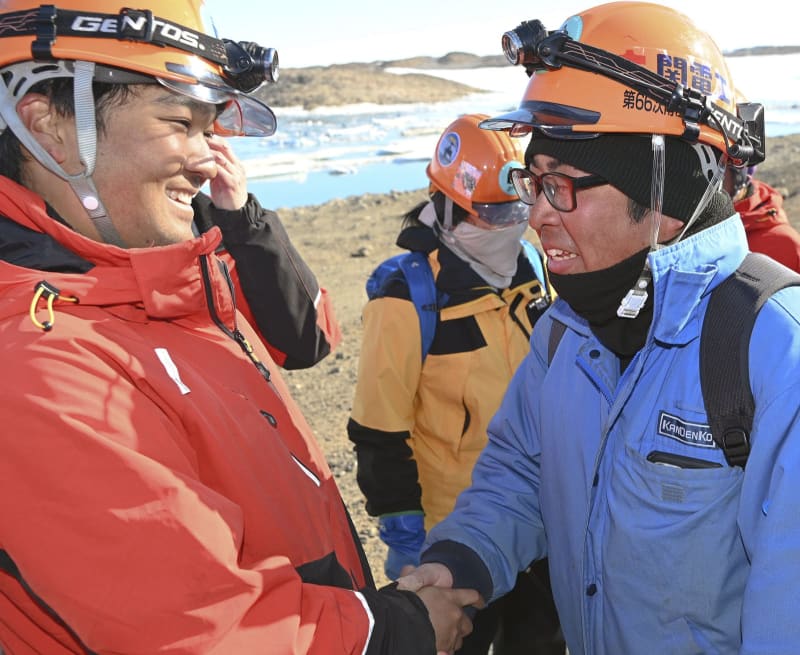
724, 350
557, 329
426, 297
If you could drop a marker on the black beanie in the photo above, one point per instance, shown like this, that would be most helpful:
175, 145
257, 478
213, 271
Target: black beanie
626, 161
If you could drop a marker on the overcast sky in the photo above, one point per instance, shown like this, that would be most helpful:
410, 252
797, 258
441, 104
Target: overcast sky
322, 32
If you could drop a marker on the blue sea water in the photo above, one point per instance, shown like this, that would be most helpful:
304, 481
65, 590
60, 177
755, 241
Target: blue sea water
327, 153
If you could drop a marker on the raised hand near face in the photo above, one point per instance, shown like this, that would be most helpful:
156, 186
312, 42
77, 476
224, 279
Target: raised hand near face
229, 187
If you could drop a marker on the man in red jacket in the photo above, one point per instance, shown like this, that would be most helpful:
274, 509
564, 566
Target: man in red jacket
162, 492
765, 222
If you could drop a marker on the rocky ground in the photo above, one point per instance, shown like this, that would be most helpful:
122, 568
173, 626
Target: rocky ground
343, 240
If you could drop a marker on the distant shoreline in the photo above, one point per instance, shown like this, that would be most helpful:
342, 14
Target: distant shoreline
781, 170
371, 82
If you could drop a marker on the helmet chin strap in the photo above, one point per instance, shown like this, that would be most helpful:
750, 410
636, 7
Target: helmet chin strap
81, 183
635, 299
86, 128
657, 187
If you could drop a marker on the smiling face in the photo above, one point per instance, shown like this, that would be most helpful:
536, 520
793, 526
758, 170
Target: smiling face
598, 233
153, 156
152, 159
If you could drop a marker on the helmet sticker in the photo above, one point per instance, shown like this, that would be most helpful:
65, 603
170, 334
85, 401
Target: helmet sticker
449, 147
692, 74
640, 102
502, 180
466, 179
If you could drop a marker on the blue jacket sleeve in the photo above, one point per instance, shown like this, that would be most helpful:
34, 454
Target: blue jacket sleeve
498, 516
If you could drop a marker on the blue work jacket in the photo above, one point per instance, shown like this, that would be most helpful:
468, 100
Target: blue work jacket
645, 556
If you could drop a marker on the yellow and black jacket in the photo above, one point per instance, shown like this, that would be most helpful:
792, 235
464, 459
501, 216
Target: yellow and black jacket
419, 427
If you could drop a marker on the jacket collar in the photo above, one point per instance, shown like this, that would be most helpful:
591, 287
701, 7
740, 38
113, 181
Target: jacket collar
683, 275
685, 272
165, 282
762, 209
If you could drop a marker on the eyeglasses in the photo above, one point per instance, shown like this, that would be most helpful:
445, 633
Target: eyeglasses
559, 188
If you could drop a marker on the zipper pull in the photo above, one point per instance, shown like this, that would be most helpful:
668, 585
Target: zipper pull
244, 344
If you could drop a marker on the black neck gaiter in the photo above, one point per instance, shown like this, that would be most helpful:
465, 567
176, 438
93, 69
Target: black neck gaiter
596, 296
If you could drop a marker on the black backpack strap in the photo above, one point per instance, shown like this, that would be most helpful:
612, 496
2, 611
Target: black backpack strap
724, 350
557, 329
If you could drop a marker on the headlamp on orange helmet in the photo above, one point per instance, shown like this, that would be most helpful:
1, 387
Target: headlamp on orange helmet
172, 48
101, 41
662, 75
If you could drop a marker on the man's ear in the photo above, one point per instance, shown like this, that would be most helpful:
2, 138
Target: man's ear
38, 114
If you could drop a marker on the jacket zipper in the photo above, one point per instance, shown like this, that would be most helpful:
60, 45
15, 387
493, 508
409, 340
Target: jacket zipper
234, 334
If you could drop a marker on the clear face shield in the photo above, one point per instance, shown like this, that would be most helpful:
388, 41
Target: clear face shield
501, 214
241, 115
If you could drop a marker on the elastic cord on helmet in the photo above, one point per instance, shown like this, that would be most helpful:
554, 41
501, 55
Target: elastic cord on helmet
81, 183
713, 186
635, 299
657, 186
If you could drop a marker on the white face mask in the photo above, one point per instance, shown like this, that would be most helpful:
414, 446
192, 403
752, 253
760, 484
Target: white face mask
492, 254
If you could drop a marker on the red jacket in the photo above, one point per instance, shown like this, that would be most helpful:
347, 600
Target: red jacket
768, 229
161, 492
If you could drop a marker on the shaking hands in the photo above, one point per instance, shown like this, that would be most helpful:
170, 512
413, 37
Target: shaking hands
449, 609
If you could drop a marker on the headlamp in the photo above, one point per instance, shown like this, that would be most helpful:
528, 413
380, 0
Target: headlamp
753, 152
532, 46
250, 65
520, 45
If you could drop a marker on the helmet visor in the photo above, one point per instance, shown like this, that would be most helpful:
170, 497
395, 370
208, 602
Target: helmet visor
502, 214
245, 116
553, 119
242, 115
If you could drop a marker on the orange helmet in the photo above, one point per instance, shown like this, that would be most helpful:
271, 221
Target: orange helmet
626, 67
168, 41
105, 41
471, 167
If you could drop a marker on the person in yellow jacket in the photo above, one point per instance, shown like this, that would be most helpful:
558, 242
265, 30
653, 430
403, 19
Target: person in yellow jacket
419, 423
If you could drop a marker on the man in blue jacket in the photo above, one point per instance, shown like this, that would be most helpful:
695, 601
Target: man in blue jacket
601, 457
